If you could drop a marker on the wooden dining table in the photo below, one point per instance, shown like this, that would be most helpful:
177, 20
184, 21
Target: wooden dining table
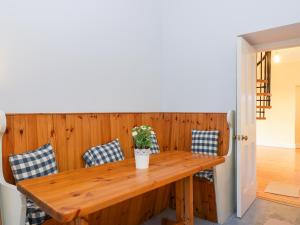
72, 195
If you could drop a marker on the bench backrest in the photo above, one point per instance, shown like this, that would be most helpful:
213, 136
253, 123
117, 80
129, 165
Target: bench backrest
71, 134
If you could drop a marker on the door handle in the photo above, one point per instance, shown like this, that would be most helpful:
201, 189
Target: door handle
244, 138
241, 137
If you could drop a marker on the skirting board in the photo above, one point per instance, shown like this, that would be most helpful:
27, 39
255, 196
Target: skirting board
279, 188
288, 147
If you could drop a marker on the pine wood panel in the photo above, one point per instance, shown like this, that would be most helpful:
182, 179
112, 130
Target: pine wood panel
72, 133
204, 199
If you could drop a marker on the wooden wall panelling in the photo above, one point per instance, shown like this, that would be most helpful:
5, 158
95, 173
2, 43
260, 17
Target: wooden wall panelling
86, 136
121, 125
161, 125
145, 204
182, 120
164, 131
96, 131
100, 129
187, 132
205, 205
19, 134
45, 130
60, 136
204, 200
72, 134
30, 129
133, 212
162, 199
174, 136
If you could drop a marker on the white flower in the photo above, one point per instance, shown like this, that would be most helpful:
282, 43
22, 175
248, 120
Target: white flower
143, 127
134, 133
152, 132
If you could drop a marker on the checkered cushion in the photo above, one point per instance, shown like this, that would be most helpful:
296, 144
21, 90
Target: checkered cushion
36, 163
155, 147
35, 216
110, 152
207, 174
205, 142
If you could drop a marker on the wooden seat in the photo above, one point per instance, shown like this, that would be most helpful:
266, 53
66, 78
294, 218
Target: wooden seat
71, 134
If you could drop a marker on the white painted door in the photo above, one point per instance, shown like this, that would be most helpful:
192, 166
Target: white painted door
246, 126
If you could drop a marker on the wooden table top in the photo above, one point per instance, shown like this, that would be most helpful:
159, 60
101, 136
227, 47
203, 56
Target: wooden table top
72, 194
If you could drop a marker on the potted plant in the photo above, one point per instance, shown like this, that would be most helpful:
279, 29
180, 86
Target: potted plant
142, 142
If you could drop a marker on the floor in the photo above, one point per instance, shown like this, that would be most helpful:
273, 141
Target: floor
278, 164
260, 213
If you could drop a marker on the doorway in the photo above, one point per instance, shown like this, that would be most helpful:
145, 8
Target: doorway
248, 46
277, 129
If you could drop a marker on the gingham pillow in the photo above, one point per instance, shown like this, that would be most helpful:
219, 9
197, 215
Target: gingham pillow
206, 174
36, 163
35, 216
155, 147
205, 142
110, 152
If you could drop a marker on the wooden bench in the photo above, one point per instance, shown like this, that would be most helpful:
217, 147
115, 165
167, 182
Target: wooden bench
72, 133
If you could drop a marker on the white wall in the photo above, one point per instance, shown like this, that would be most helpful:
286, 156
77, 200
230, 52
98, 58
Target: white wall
297, 115
279, 129
199, 48
133, 55
74, 55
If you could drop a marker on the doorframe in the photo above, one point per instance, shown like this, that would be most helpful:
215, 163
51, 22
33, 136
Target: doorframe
267, 46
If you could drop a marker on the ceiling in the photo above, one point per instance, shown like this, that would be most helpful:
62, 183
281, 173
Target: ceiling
288, 54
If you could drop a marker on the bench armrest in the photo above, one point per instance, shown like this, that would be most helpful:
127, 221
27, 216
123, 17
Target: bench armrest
12, 202
230, 121
224, 179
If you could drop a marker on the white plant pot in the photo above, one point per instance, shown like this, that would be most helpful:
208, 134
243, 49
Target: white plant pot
142, 158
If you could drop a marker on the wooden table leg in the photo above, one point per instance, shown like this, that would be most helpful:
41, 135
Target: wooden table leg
188, 201
81, 221
179, 191
184, 203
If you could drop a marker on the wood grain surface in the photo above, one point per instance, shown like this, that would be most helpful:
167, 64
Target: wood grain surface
77, 193
72, 133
